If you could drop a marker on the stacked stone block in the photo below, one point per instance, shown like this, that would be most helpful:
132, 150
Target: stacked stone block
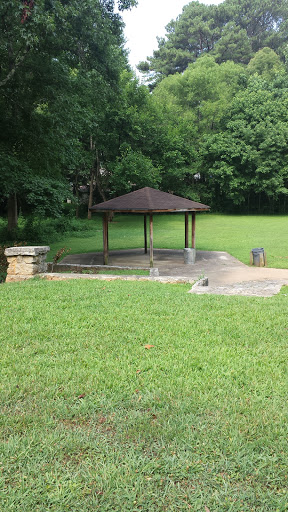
25, 262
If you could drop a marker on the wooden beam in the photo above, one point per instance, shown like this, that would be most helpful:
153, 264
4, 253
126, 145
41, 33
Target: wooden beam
186, 230
145, 234
193, 229
167, 210
105, 239
151, 240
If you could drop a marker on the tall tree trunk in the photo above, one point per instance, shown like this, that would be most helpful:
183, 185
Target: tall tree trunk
92, 178
12, 212
99, 183
90, 200
76, 185
98, 176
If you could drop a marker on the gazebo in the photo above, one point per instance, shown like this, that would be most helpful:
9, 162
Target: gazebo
148, 201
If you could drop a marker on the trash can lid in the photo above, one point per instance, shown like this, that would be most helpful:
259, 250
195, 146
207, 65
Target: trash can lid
258, 249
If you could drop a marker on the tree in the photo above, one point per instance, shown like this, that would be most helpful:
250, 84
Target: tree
234, 30
233, 45
132, 171
265, 22
193, 33
247, 162
55, 57
265, 63
192, 104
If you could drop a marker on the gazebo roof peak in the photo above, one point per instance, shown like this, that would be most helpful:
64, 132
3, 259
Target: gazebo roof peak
149, 199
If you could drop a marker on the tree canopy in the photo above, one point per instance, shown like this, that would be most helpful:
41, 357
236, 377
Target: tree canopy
76, 118
235, 124
233, 30
60, 68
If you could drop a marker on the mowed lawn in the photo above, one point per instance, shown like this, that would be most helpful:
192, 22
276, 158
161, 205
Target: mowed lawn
128, 396
235, 234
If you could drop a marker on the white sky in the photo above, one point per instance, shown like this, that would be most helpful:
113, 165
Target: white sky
147, 21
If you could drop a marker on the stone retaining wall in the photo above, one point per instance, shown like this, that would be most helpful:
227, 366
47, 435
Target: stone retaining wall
25, 262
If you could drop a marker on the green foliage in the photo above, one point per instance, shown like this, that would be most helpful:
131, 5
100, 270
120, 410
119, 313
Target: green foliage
38, 230
201, 90
229, 133
73, 113
233, 45
233, 30
191, 35
265, 63
133, 171
54, 56
46, 197
192, 104
264, 22
249, 156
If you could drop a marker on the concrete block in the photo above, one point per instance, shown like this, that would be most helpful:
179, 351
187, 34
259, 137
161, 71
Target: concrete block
189, 256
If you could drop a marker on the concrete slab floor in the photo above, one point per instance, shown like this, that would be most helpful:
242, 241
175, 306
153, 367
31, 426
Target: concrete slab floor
222, 269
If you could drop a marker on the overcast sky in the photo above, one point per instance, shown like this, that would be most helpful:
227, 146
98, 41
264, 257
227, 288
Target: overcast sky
147, 21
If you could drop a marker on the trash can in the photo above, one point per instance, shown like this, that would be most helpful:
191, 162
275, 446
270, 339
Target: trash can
258, 257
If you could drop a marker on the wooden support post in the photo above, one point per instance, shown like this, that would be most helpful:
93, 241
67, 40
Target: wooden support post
145, 233
193, 229
105, 239
151, 240
186, 230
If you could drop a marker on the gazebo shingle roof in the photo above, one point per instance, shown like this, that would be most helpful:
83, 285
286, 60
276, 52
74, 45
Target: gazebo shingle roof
149, 200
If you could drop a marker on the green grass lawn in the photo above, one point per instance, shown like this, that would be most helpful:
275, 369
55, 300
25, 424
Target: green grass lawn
93, 420
234, 234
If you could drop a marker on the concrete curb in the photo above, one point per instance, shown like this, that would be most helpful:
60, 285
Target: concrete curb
264, 289
111, 277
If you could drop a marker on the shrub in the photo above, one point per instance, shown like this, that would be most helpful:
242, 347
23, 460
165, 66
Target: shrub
37, 230
3, 264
